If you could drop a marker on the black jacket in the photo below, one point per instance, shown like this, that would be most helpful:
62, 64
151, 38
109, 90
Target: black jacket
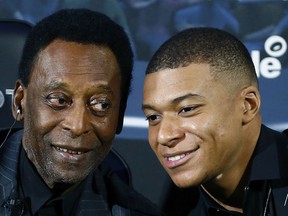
266, 194
112, 192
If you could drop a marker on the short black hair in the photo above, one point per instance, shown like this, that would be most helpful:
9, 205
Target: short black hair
81, 26
227, 56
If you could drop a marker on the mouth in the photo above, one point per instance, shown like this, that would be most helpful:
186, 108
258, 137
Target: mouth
177, 157
69, 151
176, 160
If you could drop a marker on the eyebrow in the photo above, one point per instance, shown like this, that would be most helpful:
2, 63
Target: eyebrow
62, 85
174, 100
184, 97
103, 87
55, 85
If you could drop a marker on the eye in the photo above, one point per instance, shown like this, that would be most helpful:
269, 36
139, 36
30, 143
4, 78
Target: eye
100, 106
58, 100
188, 110
153, 119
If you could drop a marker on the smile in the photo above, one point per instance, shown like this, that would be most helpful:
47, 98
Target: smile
68, 151
176, 158
173, 161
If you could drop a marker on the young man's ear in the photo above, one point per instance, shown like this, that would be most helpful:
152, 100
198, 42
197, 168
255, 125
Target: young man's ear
121, 118
251, 103
17, 104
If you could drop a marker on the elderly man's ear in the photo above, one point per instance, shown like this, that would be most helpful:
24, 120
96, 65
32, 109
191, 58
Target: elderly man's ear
17, 105
251, 103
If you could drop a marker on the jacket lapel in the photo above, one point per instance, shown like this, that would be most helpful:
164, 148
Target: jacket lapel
8, 168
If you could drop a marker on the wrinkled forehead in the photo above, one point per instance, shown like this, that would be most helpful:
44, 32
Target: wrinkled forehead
75, 64
61, 55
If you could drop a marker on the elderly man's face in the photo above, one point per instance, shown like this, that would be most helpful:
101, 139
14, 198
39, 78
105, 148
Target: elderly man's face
71, 109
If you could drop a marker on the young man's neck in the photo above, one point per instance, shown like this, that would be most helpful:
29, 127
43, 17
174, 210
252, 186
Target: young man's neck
231, 194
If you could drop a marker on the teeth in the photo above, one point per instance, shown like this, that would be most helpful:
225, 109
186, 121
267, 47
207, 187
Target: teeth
175, 158
68, 151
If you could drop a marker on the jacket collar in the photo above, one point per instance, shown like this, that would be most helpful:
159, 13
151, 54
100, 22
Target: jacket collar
9, 154
270, 156
9, 160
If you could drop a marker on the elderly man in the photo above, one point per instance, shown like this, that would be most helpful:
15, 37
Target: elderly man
74, 80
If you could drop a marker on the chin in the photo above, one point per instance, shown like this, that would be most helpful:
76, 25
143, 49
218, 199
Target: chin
69, 179
186, 181
183, 184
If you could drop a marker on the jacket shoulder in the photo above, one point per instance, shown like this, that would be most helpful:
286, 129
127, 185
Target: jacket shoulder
286, 132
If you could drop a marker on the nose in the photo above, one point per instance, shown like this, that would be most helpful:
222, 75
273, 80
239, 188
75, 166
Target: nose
170, 131
77, 121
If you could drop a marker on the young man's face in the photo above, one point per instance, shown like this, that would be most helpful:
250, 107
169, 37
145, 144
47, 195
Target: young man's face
194, 124
71, 109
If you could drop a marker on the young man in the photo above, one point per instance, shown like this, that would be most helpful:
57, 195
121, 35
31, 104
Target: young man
74, 80
202, 102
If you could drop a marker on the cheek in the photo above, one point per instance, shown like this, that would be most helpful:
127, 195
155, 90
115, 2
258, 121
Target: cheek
205, 124
33, 142
44, 122
152, 137
105, 128
38, 116
46, 119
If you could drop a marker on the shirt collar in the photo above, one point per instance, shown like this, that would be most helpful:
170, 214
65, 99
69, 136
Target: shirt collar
213, 208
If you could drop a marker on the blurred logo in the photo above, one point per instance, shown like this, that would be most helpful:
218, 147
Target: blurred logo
270, 67
8, 92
